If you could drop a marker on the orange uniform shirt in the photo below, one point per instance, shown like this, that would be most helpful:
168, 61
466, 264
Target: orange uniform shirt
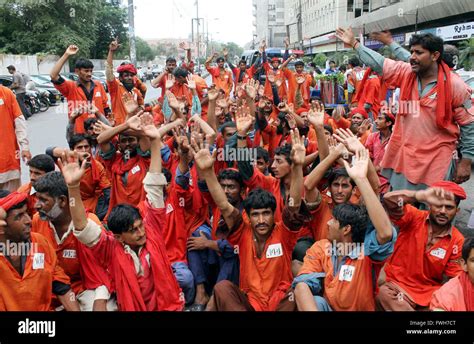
31, 200
33, 290
222, 80
9, 150
416, 269
76, 95
91, 188
266, 279
117, 91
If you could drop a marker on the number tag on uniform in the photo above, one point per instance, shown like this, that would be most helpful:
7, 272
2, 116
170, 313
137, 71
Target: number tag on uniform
1, 101
135, 169
346, 273
38, 261
439, 253
71, 254
98, 94
274, 251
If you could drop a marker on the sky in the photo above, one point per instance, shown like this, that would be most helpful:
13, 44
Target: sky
172, 19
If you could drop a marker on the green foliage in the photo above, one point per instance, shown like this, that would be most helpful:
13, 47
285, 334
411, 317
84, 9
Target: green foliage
337, 77
320, 59
466, 54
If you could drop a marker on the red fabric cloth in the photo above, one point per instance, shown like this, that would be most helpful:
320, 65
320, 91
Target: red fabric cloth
451, 187
127, 68
468, 291
444, 112
361, 111
12, 199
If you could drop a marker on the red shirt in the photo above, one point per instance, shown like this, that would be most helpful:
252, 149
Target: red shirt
417, 268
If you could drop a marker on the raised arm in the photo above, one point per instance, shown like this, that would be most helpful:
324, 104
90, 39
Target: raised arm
316, 118
70, 51
109, 68
358, 173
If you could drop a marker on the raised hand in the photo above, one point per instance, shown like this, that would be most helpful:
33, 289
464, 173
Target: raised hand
170, 81
135, 122
434, 196
351, 141
300, 80
225, 52
251, 88
291, 120
244, 121
172, 100
71, 169
212, 93
271, 78
287, 42
338, 148
72, 50
261, 90
184, 45
182, 141
99, 127
346, 35
383, 36
202, 157
316, 115
298, 150
114, 45
363, 127
360, 165
190, 82
130, 103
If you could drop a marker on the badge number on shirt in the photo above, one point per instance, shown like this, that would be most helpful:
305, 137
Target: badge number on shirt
346, 273
135, 169
1, 101
38, 261
70, 254
439, 253
274, 251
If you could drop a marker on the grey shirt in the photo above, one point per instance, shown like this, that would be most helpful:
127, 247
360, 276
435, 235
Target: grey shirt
20, 81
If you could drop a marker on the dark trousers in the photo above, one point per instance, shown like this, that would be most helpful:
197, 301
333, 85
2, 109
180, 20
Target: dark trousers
20, 97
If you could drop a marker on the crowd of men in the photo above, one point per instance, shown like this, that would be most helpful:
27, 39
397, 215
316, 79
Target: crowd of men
241, 195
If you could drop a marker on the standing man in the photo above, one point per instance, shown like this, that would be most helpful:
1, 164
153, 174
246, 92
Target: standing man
14, 133
221, 77
19, 86
433, 100
125, 97
85, 91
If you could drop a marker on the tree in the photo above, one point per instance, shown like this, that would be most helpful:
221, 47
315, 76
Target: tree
466, 54
144, 51
320, 60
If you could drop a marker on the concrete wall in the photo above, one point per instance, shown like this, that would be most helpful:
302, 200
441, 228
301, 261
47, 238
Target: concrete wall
29, 64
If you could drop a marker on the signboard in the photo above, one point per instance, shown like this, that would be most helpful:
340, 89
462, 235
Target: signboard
456, 32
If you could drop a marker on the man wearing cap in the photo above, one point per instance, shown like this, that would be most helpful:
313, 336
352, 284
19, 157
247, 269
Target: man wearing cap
221, 77
125, 97
29, 279
428, 248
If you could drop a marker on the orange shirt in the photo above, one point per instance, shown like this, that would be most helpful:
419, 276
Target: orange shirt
33, 290
92, 189
222, 79
416, 269
305, 87
321, 215
117, 90
349, 289
267, 279
9, 111
279, 74
75, 95
72, 259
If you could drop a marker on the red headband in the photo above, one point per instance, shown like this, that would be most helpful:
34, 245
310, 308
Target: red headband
451, 187
127, 68
12, 199
361, 111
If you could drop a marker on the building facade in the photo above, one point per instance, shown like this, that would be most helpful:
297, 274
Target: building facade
269, 22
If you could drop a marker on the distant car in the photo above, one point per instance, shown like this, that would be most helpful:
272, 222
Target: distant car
41, 82
100, 74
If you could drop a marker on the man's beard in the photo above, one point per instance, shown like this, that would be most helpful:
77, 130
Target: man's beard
128, 85
280, 130
51, 215
304, 131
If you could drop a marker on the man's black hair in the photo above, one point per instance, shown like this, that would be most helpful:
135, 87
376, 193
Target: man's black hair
53, 184
328, 128
122, 217
170, 59
354, 61
259, 199
284, 150
263, 153
299, 63
354, 215
231, 174
467, 248
225, 125
450, 54
220, 59
180, 72
76, 138
429, 42
337, 173
84, 64
302, 245
89, 123
42, 162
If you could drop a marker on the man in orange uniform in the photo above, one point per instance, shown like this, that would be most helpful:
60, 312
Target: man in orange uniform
29, 279
428, 247
221, 77
81, 92
54, 222
39, 165
13, 133
341, 267
264, 246
125, 97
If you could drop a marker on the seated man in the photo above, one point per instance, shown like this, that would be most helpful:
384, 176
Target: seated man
39, 165
28, 287
457, 295
338, 272
134, 252
264, 246
428, 248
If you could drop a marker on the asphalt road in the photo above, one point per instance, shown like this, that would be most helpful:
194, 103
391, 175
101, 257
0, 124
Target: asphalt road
49, 129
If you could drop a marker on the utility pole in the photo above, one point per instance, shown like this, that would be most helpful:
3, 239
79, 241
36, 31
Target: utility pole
131, 32
300, 25
416, 20
198, 38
